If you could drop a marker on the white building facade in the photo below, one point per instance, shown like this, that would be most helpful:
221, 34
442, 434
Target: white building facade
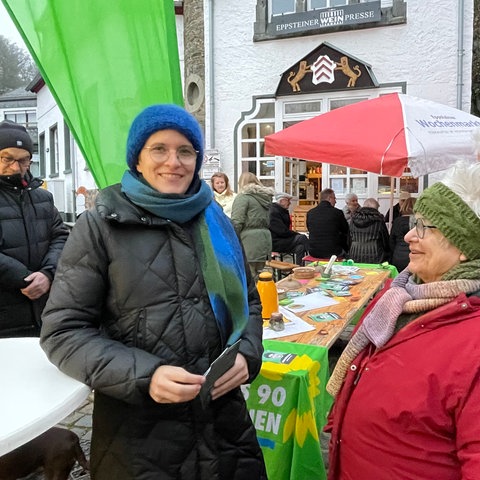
254, 85
257, 52
60, 161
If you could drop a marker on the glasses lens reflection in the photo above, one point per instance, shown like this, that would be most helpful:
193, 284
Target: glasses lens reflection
161, 153
419, 227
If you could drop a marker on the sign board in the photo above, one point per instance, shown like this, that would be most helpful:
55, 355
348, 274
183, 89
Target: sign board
211, 164
325, 17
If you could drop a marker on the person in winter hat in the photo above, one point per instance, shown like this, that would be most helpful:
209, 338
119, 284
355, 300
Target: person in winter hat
152, 287
284, 239
14, 135
406, 385
32, 236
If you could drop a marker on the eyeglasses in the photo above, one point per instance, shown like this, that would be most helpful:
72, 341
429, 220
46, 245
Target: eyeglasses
160, 153
420, 227
23, 162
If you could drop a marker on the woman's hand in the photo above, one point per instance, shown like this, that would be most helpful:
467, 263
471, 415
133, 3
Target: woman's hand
235, 377
171, 384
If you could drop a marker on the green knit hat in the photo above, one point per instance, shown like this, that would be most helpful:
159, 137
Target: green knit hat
453, 217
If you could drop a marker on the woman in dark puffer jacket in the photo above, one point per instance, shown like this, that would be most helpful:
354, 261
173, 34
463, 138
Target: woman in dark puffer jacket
369, 235
145, 298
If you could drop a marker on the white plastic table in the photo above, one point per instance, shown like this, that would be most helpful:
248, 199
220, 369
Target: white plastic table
34, 394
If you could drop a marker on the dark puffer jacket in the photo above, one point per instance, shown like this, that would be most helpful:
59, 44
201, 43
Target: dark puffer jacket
399, 248
32, 236
369, 237
282, 237
128, 297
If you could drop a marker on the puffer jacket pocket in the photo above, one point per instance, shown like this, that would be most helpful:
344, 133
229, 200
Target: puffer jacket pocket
140, 329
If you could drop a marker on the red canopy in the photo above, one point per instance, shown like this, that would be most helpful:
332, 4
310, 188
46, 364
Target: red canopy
383, 135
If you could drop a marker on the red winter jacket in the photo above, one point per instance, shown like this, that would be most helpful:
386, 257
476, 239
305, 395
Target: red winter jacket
411, 409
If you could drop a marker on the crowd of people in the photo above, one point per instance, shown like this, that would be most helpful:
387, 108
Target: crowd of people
262, 219
158, 278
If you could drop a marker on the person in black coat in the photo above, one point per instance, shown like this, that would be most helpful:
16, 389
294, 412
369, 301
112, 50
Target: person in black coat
152, 286
327, 227
32, 236
369, 235
284, 239
400, 251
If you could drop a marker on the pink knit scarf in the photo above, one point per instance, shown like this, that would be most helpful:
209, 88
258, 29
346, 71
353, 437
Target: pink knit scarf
404, 296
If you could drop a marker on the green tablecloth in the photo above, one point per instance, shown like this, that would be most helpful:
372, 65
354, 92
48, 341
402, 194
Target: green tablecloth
386, 265
288, 404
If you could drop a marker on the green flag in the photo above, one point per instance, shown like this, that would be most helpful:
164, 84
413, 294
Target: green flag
103, 61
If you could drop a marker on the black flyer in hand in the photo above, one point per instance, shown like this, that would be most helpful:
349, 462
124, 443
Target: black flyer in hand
222, 364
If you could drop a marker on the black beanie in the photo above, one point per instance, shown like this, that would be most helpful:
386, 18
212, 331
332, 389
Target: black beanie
15, 135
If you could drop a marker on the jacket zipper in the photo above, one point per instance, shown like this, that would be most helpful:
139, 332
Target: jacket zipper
139, 330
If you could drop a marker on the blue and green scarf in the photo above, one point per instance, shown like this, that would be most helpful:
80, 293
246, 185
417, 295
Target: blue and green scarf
215, 242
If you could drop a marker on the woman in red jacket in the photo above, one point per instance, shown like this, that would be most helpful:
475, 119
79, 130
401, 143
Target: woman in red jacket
407, 386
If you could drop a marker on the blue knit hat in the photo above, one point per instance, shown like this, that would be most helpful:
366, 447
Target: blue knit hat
162, 117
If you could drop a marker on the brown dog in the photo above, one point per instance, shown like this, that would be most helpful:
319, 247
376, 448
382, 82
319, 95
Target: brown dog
54, 451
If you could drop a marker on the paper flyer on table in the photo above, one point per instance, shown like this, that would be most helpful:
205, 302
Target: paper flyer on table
311, 301
293, 325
